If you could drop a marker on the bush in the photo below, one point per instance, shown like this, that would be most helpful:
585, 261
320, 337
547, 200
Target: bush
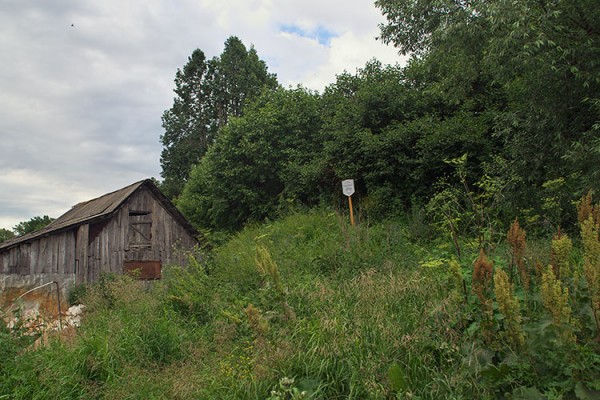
76, 294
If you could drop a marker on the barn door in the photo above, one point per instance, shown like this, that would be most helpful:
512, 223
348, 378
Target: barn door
140, 236
140, 230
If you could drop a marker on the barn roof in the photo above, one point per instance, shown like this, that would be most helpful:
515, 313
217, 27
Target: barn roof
100, 208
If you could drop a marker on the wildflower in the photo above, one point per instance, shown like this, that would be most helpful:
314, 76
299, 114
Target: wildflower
256, 321
585, 209
556, 301
285, 381
509, 306
482, 276
561, 251
591, 265
516, 239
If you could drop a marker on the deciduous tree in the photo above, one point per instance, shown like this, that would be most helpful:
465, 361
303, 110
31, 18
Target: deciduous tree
5, 235
266, 157
531, 66
32, 225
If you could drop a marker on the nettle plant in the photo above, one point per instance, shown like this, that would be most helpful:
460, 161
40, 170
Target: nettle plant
462, 209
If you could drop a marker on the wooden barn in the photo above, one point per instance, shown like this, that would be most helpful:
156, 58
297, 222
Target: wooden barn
134, 228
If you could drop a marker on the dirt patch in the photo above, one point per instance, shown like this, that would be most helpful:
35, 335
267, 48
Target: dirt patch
43, 300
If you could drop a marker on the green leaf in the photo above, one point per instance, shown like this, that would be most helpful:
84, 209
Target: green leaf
584, 393
525, 393
495, 373
397, 378
473, 328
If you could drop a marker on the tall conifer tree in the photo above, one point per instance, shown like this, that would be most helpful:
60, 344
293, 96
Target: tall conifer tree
207, 93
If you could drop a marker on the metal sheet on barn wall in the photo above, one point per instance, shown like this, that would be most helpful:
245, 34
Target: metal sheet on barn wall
146, 270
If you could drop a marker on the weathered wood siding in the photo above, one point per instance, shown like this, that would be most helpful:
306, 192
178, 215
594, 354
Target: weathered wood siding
53, 254
142, 230
106, 251
132, 225
81, 253
167, 235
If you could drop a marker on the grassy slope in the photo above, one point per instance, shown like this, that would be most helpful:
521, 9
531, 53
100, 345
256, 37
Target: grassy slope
346, 312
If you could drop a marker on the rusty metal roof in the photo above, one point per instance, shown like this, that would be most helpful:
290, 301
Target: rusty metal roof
100, 208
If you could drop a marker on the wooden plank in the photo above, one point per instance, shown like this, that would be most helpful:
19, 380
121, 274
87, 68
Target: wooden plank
13, 268
103, 247
42, 256
33, 256
52, 253
23, 259
60, 253
90, 276
64, 265
81, 254
73, 249
124, 229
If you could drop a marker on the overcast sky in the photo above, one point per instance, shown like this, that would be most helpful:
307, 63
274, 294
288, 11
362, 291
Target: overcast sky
83, 83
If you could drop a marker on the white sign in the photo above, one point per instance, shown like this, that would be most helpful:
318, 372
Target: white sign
348, 187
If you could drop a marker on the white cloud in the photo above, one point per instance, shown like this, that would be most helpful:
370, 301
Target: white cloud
349, 52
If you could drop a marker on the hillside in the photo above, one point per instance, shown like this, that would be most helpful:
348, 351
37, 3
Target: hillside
310, 307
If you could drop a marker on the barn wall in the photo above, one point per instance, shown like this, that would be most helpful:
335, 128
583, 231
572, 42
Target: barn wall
106, 246
54, 254
167, 236
141, 241
43, 260
170, 237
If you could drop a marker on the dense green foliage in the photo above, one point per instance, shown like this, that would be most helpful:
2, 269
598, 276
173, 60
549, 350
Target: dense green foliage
25, 227
311, 307
259, 160
293, 147
5, 234
514, 85
531, 66
31, 225
208, 93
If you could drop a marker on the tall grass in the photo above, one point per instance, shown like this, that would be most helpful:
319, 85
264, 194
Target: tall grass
304, 306
361, 303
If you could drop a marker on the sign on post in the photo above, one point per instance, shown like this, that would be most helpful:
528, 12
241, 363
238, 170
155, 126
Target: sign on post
348, 190
348, 187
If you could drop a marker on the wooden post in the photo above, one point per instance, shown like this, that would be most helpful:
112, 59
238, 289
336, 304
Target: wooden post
351, 211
